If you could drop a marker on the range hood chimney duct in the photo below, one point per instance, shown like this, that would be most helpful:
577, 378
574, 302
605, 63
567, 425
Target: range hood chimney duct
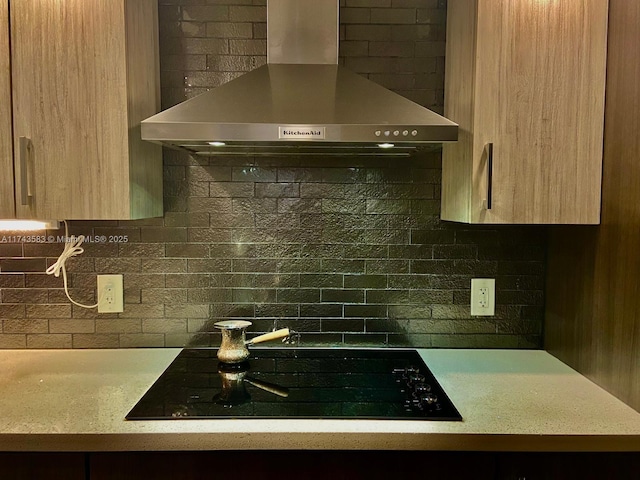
303, 32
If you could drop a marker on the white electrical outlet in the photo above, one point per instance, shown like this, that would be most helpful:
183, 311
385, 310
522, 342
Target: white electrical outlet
110, 294
483, 296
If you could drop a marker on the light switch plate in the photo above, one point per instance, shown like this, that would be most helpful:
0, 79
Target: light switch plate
483, 296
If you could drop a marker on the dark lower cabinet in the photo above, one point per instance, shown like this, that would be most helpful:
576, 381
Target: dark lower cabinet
568, 466
307, 465
356, 465
312, 465
43, 466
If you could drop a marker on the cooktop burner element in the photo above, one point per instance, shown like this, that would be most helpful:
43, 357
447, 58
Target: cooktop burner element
297, 383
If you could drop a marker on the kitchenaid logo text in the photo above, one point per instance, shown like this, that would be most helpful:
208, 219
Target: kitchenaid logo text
295, 133
302, 132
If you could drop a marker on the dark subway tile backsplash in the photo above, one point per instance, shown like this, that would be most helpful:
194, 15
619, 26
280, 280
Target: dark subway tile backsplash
346, 251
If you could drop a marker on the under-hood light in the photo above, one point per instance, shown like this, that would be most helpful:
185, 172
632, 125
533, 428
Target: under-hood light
386, 145
217, 144
28, 225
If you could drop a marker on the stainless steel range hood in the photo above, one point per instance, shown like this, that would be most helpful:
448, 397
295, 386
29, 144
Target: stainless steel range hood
301, 102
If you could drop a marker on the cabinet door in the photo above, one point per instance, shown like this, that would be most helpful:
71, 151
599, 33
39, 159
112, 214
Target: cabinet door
304, 464
67, 78
71, 85
567, 466
537, 96
7, 205
43, 466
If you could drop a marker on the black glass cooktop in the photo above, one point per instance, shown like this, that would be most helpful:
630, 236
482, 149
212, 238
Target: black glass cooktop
297, 383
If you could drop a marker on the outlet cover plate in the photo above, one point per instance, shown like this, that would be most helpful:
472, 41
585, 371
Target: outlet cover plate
483, 297
110, 294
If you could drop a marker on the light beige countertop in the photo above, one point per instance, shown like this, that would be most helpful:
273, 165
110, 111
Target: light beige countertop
511, 400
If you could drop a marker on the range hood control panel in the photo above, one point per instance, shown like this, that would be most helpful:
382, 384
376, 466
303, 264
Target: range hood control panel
395, 133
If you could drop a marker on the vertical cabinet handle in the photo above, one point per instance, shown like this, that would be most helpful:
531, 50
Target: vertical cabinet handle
25, 184
489, 154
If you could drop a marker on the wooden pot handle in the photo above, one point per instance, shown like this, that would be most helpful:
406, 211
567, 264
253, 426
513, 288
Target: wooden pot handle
283, 332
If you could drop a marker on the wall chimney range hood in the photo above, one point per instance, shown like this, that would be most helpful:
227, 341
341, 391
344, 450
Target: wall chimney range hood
300, 102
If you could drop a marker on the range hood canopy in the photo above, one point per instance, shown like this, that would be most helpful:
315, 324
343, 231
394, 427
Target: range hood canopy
301, 102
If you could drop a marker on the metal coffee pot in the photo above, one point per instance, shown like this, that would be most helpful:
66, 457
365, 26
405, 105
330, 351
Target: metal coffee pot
233, 348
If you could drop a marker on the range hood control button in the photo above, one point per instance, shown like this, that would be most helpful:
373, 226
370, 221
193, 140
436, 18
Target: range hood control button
414, 132
378, 133
405, 133
387, 133
396, 133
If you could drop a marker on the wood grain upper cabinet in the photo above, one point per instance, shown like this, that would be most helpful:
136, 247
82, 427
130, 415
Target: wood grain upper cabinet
7, 191
525, 81
84, 74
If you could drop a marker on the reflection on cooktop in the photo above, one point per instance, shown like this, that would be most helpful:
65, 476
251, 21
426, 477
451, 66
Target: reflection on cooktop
297, 383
